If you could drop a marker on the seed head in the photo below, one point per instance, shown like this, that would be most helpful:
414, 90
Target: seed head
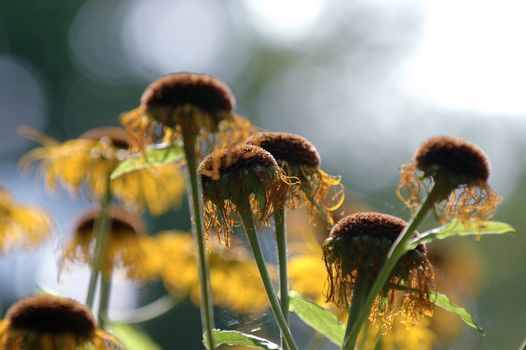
117, 136
122, 222
285, 147
175, 90
46, 314
461, 161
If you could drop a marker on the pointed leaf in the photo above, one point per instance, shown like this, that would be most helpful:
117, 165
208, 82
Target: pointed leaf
319, 318
152, 157
242, 339
456, 228
442, 301
133, 338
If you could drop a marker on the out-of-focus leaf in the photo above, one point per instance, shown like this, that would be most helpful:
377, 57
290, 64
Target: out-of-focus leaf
442, 301
153, 156
319, 318
241, 339
456, 228
133, 338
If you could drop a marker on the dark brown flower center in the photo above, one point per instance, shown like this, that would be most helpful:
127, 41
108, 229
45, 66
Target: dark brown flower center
454, 157
52, 315
122, 222
174, 90
117, 136
290, 148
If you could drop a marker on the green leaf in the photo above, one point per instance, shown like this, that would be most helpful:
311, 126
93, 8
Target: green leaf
133, 338
238, 338
153, 156
442, 301
456, 228
319, 318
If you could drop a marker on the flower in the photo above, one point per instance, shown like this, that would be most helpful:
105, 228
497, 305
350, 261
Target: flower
420, 336
184, 103
300, 159
229, 176
128, 247
360, 242
460, 169
21, 225
47, 322
235, 281
92, 157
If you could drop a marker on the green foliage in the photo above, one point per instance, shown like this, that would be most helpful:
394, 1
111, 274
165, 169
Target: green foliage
153, 156
238, 338
456, 228
443, 302
322, 320
133, 338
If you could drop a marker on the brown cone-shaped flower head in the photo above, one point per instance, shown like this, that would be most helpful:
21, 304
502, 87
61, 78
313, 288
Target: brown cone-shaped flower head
359, 243
289, 148
459, 160
230, 176
117, 136
458, 170
299, 158
52, 315
175, 90
122, 222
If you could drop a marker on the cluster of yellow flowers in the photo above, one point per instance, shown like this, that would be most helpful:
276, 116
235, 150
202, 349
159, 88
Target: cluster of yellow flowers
242, 172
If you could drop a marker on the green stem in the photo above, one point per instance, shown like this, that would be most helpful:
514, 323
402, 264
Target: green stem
101, 227
397, 250
250, 229
523, 345
360, 292
104, 304
207, 315
281, 240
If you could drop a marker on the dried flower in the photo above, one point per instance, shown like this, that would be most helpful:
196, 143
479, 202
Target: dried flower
300, 159
360, 242
47, 322
189, 103
21, 225
461, 171
128, 246
229, 176
92, 157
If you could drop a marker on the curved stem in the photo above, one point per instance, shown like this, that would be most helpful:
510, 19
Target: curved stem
148, 312
281, 241
104, 304
397, 250
101, 227
207, 315
250, 229
360, 291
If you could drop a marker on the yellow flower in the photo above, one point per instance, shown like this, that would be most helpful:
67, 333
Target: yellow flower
46, 322
235, 281
230, 176
359, 243
21, 225
128, 246
300, 159
418, 337
92, 158
194, 105
460, 170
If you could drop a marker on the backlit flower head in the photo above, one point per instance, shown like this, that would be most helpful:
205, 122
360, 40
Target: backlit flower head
93, 156
128, 246
194, 103
21, 225
235, 281
461, 169
361, 241
228, 175
300, 159
47, 322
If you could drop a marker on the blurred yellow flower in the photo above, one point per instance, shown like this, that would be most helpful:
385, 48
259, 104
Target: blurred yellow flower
416, 337
128, 246
21, 225
235, 281
46, 322
92, 158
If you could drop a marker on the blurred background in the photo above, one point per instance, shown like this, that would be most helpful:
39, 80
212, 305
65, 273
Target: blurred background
365, 81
